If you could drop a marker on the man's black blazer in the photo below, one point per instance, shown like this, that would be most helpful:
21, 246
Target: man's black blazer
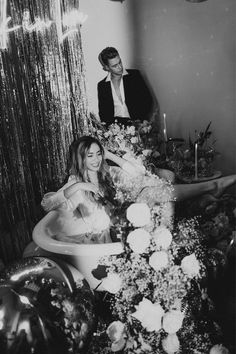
137, 98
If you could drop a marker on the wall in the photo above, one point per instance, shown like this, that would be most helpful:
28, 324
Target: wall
187, 53
108, 24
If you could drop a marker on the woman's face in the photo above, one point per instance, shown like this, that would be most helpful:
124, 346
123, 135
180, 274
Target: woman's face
93, 158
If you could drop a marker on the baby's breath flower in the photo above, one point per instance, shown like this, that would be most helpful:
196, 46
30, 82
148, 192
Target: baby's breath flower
159, 271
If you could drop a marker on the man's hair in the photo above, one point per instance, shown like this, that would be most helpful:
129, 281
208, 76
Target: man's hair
106, 54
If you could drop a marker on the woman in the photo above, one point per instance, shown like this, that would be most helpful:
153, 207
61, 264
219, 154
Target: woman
86, 201
82, 213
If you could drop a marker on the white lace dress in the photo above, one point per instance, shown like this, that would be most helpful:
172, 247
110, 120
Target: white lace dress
80, 219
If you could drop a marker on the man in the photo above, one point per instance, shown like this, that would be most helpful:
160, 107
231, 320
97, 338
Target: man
123, 94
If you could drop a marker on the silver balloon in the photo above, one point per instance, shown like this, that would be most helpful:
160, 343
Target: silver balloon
43, 310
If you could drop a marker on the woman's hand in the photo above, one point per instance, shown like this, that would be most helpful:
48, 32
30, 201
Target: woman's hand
84, 186
106, 154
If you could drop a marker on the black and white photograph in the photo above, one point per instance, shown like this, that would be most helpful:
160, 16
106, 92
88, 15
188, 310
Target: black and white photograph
117, 177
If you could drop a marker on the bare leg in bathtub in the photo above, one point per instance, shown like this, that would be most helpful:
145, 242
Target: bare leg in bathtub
215, 188
185, 191
180, 192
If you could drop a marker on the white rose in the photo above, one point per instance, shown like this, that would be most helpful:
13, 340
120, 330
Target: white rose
156, 154
162, 237
68, 306
122, 145
138, 240
172, 321
134, 140
158, 260
219, 349
190, 265
115, 330
138, 214
147, 152
131, 130
116, 333
112, 283
149, 314
170, 344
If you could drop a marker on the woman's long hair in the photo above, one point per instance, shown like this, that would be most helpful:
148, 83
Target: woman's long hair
78, 152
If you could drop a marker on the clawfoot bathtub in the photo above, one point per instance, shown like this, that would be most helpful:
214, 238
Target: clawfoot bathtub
84, 257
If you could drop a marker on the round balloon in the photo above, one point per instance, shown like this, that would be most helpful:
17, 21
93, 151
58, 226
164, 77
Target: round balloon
44, 309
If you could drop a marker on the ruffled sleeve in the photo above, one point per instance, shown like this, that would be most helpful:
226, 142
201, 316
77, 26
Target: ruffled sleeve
129, 170
54, 200
57, 200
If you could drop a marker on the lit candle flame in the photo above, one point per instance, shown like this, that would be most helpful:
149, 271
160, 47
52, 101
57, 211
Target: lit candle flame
165, 129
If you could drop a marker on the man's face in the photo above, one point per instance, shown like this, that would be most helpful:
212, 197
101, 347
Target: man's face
115, 66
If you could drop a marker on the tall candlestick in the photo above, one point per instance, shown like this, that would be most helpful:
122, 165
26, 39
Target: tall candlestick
195, 161
164, 129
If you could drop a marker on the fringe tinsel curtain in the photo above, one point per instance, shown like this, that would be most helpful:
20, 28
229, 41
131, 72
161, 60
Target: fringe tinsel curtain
43, 107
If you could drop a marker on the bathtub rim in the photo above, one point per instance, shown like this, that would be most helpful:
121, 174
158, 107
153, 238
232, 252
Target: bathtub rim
49, 244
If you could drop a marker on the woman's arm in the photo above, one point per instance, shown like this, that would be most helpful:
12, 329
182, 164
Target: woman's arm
114, 158
80, 186
68, 197
133, 169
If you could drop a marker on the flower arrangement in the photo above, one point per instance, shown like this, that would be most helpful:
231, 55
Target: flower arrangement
181, 158
217, 219
143, 140
138, 140
119, 138
157, 291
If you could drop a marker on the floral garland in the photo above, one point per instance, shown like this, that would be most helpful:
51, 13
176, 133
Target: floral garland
159, 300
157, 288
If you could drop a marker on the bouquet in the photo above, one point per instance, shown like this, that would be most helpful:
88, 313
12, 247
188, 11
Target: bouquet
120, 139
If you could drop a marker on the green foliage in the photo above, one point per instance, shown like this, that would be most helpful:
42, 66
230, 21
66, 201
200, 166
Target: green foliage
182, 159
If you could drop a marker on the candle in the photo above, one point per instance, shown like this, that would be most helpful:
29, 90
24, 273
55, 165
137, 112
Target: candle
164, 129
196, 174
